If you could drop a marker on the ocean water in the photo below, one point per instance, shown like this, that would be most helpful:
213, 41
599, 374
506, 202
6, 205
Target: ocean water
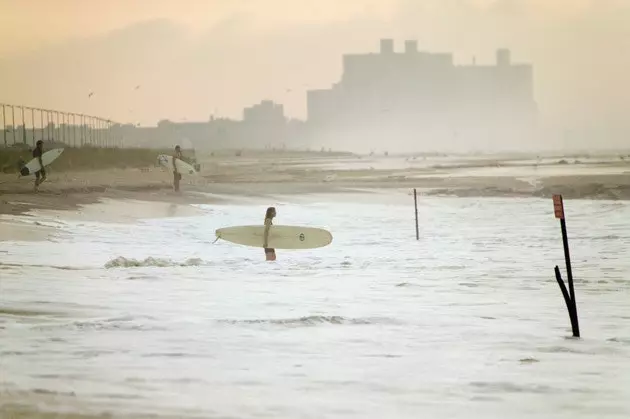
152, 317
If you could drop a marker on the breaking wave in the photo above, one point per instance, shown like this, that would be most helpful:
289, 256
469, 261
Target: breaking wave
122, 262
122, 323
313, 321
7, 266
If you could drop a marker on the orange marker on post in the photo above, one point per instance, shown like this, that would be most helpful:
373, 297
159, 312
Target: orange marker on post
558, 207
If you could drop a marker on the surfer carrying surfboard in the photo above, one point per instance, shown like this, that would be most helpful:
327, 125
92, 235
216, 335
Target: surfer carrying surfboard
270, 254
40, 175
176, 175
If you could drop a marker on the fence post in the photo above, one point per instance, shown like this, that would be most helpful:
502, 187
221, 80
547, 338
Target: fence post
4, 125
13, 118
415, 204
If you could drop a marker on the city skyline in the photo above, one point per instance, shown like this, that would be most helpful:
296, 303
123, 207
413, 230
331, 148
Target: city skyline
356, 61
266, 101
408, 99
410, 96
199, 58
303, 92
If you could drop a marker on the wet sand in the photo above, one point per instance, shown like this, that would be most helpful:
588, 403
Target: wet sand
244, 179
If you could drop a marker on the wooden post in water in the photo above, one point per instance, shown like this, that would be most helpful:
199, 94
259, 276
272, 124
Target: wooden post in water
415, 204
569, 296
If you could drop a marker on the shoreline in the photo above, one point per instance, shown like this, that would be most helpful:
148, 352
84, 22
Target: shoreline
129, 203
55, 196
147, 192
67, 196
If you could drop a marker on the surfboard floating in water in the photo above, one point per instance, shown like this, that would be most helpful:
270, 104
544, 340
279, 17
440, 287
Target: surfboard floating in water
47, 158
280, 237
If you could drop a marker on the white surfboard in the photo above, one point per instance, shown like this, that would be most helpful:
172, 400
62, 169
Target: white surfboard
47, 158
182, 167
280, 237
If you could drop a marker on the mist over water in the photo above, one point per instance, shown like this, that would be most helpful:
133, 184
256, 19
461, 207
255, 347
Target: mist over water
152, 317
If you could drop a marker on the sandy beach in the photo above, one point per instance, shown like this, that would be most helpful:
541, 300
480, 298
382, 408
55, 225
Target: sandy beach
243, 179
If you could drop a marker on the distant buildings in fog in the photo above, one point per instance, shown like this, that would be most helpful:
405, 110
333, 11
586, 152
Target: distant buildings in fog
263, 125
424, 99
410, 99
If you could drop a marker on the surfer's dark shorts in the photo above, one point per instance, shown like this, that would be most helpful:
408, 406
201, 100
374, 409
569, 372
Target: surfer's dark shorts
268, 250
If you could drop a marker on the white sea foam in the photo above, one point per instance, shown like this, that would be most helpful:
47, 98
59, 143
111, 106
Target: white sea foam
152, 317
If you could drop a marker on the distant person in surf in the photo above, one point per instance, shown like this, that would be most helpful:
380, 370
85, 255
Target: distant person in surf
270, 254
176, 175
40, 175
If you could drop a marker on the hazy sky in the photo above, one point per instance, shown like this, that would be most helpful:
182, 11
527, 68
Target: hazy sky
193, 58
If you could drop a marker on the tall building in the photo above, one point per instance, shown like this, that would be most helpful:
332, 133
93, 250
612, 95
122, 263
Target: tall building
265, 112
264, 123
420, 99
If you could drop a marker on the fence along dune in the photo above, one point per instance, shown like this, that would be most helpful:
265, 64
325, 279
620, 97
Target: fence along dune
85, 158
90, 143
24, 125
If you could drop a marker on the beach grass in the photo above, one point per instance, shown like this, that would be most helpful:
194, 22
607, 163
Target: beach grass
92, 158
85, 158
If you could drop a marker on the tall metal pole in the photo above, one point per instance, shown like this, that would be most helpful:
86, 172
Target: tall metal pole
57, 127
4, 125
33, 123
569, 296
48, 124
23, 126
66, 128
41, 118
567, 259
62, 127
415, 204
74, 131
53, 126
13, 118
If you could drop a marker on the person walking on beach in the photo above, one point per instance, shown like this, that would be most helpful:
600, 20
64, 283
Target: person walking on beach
270, 254
176, 175
40, 175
